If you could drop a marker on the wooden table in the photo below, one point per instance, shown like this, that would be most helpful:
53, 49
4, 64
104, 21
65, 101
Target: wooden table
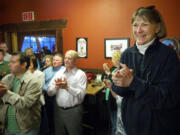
93, 88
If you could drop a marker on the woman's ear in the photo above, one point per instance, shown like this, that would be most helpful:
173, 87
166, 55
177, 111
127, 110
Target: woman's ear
24, 65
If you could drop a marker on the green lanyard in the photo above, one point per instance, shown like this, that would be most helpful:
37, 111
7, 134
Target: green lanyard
108, 89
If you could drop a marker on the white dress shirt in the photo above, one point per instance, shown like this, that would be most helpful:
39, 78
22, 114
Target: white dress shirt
77, 83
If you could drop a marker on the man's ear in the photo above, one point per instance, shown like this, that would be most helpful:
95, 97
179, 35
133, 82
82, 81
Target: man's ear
24, 65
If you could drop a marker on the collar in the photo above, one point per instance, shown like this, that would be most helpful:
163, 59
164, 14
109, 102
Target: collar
21, 78
1, 62
73, 71
147, 44
154, 44
24, 77
56, 69
142, 48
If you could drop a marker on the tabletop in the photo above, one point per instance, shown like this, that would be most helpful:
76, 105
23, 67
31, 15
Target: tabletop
94, 88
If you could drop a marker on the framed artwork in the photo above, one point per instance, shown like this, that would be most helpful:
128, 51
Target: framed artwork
114, 44
81, 47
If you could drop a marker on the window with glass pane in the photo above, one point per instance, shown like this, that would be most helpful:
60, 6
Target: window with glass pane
30, 42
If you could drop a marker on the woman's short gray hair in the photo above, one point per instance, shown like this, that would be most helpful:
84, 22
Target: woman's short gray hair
153, 16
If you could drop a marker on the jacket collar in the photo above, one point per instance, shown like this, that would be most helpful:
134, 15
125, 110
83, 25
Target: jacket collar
153, 45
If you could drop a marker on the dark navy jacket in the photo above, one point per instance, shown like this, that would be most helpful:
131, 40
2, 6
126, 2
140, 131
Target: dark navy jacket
151, 104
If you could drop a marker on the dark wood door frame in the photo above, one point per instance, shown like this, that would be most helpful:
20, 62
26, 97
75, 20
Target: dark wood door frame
49, 25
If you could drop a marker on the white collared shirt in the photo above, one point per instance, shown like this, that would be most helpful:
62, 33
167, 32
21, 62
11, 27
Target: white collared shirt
77, 83
7, 57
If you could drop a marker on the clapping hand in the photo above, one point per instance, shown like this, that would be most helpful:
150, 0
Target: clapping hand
61, 83
123, 77
107, 83
3, 89
106, 68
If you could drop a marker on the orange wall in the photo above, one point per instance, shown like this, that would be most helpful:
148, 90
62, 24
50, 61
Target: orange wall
94, 19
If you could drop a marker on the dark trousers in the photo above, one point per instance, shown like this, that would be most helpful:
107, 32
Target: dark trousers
68, 121
44, 127
113, 117
49, 107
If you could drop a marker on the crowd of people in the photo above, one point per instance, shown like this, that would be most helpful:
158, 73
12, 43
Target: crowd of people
28, 105
44, 95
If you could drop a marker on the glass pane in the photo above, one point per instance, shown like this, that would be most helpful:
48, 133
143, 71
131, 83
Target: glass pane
30, 42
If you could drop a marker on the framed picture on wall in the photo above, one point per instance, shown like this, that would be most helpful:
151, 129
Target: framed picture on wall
114, 44
82, 47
